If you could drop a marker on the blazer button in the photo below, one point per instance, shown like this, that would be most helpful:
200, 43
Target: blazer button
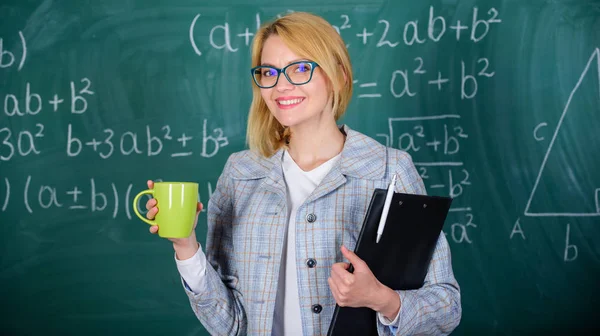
316, 308
311, 218
310, 262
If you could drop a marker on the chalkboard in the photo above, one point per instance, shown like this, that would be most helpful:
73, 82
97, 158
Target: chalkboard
497, 102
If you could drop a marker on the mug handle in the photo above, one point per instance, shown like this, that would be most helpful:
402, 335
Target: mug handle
135, 205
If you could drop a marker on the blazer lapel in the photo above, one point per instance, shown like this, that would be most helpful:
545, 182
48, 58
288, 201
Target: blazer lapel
361, 157
250, 166
274, 180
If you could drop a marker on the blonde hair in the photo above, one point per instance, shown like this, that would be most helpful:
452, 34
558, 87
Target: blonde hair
309, 36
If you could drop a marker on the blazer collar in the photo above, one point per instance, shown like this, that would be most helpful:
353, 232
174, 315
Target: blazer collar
361, 157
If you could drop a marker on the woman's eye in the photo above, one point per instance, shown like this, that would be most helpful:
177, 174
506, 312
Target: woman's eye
302, 67
269, 72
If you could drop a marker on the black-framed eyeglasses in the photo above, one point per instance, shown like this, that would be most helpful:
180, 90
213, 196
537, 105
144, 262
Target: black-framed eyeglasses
297, 73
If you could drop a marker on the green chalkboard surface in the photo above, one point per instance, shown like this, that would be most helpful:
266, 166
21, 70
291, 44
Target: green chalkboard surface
497, 102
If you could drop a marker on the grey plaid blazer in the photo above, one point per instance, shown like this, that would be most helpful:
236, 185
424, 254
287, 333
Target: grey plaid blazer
247, 217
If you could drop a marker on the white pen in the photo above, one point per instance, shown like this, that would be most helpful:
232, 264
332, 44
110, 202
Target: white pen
386, 208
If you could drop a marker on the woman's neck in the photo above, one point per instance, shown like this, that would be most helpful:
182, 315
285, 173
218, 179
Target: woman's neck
312, 145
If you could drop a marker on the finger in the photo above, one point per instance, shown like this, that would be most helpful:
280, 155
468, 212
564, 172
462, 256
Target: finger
340, 298
154, 229
151, 203
352, 257
341, 267
150, 184
199, 207
334, 289
340, 275
152, 213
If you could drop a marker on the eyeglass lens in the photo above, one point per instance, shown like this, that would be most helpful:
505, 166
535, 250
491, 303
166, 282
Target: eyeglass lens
297, 73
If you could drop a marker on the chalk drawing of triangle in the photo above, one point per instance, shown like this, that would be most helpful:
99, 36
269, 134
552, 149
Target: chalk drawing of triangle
568, 182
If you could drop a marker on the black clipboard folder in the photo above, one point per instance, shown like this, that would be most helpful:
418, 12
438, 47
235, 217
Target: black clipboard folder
401, 258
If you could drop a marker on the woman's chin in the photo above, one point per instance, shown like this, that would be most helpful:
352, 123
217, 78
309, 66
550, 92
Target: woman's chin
286, 120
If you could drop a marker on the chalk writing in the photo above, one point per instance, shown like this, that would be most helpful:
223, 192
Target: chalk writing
150, 143
380, 34
22, 143
439, 136
40, 195
571, 251
8, 58
33, 103
594, 59
460, 231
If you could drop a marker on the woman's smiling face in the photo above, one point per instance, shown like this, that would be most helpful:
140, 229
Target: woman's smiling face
291, 104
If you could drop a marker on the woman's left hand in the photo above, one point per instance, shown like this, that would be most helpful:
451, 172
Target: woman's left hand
357, 289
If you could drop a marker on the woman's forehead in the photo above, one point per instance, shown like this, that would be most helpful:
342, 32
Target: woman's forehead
275, 52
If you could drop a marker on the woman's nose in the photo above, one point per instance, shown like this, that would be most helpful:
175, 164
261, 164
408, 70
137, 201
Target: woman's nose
283, 84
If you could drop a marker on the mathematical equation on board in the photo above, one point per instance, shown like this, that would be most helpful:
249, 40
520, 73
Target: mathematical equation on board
399, 82
32, 103
108, 143
440, 137
37, 195
221, 36
150, 142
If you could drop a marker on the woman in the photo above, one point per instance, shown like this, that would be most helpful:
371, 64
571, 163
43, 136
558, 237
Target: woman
288, 211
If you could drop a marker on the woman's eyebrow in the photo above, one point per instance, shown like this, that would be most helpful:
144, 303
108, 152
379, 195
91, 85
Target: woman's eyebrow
290, 62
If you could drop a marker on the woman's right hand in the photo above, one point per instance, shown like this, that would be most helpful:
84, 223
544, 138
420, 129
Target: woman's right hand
185, 247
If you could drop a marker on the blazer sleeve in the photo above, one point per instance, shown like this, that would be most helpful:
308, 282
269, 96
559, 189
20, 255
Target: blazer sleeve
435, 308
219, 307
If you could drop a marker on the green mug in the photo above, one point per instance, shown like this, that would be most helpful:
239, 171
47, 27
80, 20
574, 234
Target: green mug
177, 205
